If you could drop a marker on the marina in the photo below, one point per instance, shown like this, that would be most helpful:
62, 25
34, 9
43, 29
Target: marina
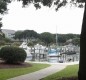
67, 53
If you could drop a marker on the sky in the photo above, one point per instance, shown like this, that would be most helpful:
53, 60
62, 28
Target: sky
65, 20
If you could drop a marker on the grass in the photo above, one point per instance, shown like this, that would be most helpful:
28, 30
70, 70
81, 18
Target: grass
69, 71
9, 73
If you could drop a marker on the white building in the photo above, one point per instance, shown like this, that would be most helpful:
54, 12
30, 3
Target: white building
8, 33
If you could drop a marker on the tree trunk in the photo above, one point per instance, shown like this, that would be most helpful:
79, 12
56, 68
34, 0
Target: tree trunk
82, 63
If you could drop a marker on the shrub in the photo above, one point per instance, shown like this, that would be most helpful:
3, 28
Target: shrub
12, 55
16, 44
2, 43
7, 40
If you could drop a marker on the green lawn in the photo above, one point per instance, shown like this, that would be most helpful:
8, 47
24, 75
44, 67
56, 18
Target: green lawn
9, 73
69, 71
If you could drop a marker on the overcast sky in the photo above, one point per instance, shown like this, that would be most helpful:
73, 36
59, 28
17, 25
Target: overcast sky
67, 20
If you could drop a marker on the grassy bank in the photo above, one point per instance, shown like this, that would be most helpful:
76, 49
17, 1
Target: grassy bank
69, 71
9, 73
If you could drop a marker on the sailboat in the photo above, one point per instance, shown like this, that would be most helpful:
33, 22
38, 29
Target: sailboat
54, 53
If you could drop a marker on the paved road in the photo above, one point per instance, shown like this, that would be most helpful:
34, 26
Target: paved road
55, 67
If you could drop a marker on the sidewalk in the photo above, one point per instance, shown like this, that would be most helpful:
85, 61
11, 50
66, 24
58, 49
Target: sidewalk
55, 67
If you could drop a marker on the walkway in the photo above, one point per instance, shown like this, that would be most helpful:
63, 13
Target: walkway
55, 67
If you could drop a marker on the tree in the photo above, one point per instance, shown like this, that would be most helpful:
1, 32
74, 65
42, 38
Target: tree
29, 34
82, 66
18, 35
61, 39
3, 10
3, 6
76, 41
26, 34
47, 38
60, 3
0, 23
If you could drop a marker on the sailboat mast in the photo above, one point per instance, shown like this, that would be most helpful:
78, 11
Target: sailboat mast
56, 36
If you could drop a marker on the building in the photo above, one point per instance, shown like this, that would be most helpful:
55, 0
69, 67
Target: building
8, 33
67, 53
70, 53
36, 53
39, 52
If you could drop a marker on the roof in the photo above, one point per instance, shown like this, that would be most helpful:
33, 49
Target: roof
8, 31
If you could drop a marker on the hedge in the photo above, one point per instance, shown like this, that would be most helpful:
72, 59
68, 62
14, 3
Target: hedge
13, 54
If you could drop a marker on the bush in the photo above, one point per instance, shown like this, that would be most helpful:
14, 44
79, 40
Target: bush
16, 44
12, 55
2, 43
7, 40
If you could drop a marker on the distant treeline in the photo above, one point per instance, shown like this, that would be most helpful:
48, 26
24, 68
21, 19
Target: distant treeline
47, 38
